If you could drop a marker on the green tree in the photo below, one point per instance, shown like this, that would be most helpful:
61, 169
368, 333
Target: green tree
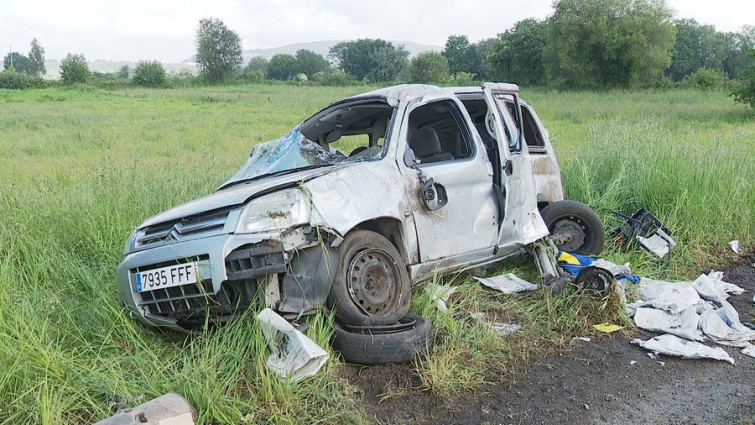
608, 43
429, 67
282, 67
124, 72
149, 74
218, 50
256, 69
484, 50
16, 62
697, 46
518, 53
36, 63
737, 61
309, 62
461, 55
745, 91
372, 60
74, 69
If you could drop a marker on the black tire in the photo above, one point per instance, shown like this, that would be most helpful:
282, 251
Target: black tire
397, 343
595, 279
371, 285
577, 221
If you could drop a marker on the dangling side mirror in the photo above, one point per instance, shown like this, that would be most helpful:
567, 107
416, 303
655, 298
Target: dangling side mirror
433, 195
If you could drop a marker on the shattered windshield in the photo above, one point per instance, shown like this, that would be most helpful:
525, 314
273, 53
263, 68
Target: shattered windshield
294, 152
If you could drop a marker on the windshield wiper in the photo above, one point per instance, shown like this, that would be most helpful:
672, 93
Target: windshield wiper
273, 174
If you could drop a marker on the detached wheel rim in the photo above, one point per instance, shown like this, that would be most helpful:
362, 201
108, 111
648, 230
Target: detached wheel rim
573, 231
372, 280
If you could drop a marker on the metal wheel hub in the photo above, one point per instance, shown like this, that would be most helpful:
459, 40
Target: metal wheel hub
372, 281
571, 232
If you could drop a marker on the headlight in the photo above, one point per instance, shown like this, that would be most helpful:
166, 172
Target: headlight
277, 211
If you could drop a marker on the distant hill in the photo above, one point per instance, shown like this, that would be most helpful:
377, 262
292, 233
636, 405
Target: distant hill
323, 48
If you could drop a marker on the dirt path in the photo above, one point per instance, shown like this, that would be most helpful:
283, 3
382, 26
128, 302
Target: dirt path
593, 382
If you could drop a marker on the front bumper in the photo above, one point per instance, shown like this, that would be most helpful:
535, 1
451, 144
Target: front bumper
229, 269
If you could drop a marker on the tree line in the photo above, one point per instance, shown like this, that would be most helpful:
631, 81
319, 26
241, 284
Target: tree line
583, 44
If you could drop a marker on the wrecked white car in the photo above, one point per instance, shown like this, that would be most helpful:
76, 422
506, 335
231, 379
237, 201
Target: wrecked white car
367, 197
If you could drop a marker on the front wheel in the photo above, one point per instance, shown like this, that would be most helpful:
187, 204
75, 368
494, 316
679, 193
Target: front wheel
370, 285
575, 227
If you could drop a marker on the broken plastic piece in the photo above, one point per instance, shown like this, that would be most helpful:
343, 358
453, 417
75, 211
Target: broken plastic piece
607, 327
583, 338
294, 356
632, 362
504, 329
168, 409
734, 246
439, 294
507, 283
675, 346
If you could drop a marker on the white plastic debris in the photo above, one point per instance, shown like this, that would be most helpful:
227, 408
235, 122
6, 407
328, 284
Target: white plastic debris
675, 346
661, 363
718, 280
439, 294
749, 350
632, 362
477, 315
683, 324
507, 283
294, 356
659, 243
653, 354
504, 329
583, 338
734, 245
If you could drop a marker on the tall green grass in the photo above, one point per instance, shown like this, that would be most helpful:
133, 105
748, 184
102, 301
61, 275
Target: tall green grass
79, 169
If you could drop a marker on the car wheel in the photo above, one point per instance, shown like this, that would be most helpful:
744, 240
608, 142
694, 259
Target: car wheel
371, 345
371, 285
575, 227
595, 279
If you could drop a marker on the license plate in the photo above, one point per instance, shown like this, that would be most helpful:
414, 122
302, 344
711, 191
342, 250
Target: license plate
166, 277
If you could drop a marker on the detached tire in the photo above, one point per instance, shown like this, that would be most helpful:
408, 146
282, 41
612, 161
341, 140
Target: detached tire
370, 285
372, 345
577, 224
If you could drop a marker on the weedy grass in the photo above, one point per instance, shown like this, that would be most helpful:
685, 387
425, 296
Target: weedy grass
80, 168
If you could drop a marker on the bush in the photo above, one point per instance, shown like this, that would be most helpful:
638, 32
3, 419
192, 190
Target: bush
149, 74
74, 69
462, 79
744, 92
17, 81
705, 78
333, 78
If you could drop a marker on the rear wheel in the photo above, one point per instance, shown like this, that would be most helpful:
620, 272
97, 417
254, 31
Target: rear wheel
575, 227
371, 285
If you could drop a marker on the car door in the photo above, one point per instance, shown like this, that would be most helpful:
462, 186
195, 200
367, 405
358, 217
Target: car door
521, 224
460, 214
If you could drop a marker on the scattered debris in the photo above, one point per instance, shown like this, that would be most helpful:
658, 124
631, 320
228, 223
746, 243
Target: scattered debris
607, 327
647, 230
749, 350
477, 315
675, 346
587, 406
168, 409
439, 294
575, 263
661, 363
507, 283
294, 356
504, 329
583, 338
653, 355
734, 246
632, 362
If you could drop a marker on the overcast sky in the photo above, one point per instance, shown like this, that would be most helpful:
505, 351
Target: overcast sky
164, 29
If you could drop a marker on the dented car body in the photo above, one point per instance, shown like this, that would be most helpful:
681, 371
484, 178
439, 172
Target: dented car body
445, 178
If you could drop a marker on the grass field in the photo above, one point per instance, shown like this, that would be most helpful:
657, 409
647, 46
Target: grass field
79, 169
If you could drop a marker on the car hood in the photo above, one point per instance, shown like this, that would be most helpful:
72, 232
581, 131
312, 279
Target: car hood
237, 195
